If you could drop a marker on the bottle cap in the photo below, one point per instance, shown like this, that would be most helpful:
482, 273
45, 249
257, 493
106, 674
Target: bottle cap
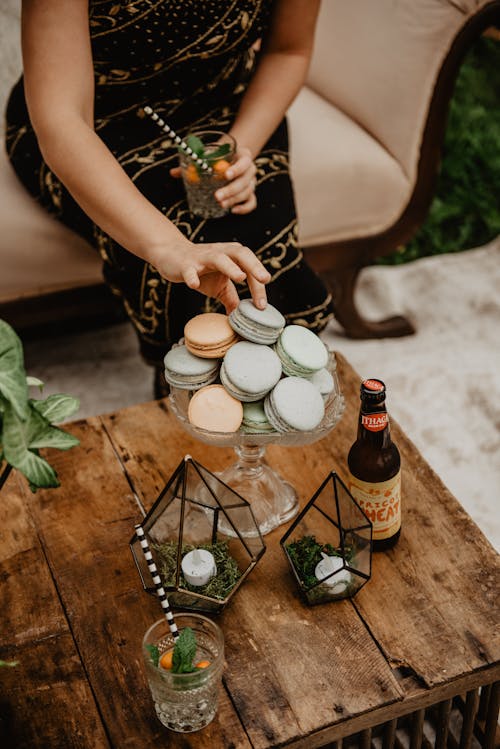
373, 390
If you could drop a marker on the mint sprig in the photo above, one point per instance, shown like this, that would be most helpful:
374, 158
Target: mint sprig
195, 144
184, 652
217, 153
210, 155
154, 654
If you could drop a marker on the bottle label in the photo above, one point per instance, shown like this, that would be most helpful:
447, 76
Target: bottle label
381, 503
375, 422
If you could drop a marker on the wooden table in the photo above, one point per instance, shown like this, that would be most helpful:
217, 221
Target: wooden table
416, 652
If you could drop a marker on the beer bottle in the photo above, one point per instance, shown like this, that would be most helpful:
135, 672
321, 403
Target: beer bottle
375, 467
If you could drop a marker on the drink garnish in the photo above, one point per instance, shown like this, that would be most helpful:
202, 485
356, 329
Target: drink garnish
184, 652
210, 155
154, 654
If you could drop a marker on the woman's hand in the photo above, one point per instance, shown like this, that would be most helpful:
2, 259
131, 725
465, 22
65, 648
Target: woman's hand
238, 194
213, 269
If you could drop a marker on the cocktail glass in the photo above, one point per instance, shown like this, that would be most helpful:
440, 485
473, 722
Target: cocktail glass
274, 501
201, 184
186, 702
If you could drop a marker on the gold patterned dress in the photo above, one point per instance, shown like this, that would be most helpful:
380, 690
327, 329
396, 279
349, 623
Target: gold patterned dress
191, 61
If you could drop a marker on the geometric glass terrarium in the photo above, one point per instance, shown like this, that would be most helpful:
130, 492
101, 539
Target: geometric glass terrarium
203, 537
329, 545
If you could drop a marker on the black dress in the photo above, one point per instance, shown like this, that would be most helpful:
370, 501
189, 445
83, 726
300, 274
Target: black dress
191, 61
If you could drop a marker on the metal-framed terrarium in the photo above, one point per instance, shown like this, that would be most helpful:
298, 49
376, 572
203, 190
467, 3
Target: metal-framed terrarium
329, 545
204, 539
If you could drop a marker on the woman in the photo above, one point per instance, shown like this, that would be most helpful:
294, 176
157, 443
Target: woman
79, 141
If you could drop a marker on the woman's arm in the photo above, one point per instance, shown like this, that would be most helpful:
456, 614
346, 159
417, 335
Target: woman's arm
59, 85
281, 72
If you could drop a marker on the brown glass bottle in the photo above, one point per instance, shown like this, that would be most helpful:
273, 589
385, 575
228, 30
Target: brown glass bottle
375, 467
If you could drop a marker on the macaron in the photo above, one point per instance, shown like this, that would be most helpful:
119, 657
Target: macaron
250, 370
301, 351
255, 419
257, 325
189, 372
209, 335
294, 404
213, 409
323, 381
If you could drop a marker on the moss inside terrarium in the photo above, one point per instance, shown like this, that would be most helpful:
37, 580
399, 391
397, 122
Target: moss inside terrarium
220, 586
305, 554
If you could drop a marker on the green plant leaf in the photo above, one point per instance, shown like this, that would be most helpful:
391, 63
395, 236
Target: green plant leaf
54, 437
218, 153
34, 382
57, 407
154, 654
13, 386
195, 144
40, 433
39, 473
184, 652
22, 439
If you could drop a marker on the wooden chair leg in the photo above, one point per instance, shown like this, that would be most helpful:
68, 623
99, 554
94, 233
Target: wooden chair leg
342, 283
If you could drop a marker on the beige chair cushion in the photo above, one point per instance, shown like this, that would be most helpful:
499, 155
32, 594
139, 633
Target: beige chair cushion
37, 253
378, 60
346, 183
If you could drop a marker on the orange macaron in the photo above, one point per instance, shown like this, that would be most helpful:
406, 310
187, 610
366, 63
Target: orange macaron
213, 409
209, 335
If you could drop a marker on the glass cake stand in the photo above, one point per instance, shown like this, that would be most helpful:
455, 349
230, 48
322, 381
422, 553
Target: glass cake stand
273, 500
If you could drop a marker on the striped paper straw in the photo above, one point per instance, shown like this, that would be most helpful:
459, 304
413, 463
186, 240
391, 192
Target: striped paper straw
157, 581
178, 140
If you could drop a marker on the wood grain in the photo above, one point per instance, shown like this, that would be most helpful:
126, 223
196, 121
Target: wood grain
421, 606
86, 529
433, 601
294, 669
298, 676
46, 699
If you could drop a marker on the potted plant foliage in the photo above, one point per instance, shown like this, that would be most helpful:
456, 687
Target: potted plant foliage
26, 424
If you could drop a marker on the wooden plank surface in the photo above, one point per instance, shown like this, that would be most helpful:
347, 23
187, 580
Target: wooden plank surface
296, 669
86, 526
46, 700
292, 670
433, 601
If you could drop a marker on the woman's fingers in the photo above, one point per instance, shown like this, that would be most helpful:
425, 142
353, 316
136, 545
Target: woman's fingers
247, 206
227, 266
241, 185
191, 277
242, 164
229, 297
249, 262
227, 262
257, 275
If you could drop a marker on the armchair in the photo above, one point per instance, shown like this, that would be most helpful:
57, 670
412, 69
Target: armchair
366, 133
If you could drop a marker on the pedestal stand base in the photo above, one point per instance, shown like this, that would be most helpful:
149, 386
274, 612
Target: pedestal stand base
273, 500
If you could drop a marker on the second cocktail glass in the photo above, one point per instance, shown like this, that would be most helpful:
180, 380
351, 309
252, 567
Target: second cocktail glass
185, 702
218, 150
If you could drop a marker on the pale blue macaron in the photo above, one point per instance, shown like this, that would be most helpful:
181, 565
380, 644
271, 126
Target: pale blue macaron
301, 351
249, 371
255, 419
294, 404
189, 372
257, 325
323, 380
